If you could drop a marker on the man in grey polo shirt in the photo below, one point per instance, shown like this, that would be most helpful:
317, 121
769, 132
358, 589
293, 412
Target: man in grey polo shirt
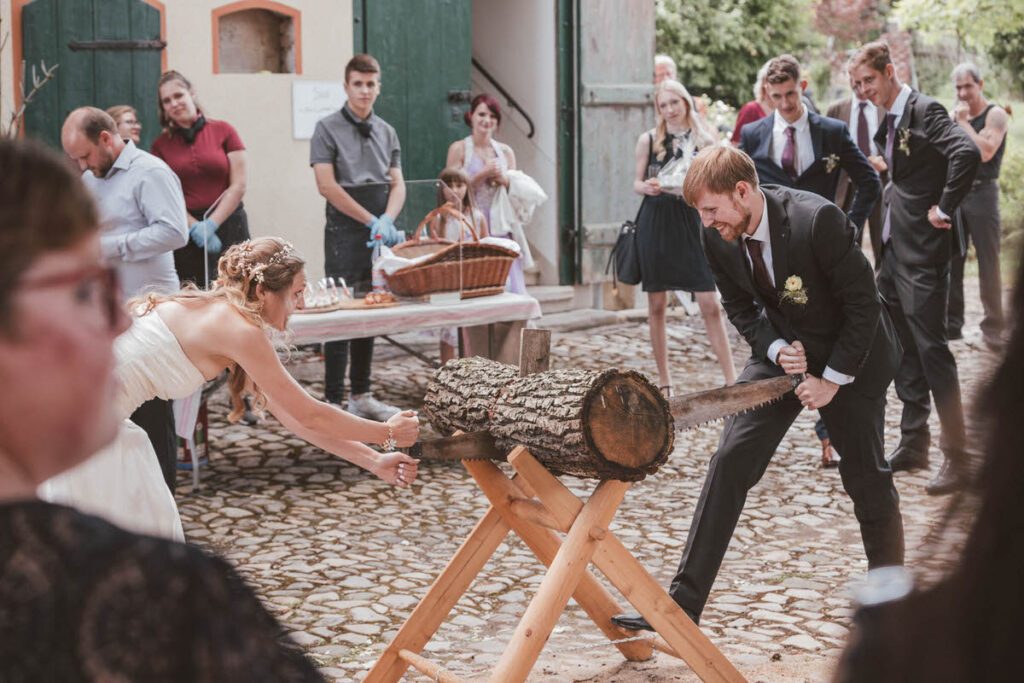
143, 212
356, 160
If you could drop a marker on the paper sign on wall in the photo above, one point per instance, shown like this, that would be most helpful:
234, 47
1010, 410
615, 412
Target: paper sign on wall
311, 101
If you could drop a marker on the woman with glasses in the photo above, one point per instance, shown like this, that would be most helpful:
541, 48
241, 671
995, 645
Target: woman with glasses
81, 599
127, 119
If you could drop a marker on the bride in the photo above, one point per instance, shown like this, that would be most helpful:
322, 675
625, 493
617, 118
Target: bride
176, 343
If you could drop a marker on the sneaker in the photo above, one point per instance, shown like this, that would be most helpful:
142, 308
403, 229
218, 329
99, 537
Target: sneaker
365, 405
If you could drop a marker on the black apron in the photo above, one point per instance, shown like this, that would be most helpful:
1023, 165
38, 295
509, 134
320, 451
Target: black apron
345, 252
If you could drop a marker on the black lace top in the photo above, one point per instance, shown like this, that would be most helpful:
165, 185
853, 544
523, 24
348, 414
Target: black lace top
82, 600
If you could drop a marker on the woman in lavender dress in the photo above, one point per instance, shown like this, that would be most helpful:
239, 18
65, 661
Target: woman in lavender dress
485, 161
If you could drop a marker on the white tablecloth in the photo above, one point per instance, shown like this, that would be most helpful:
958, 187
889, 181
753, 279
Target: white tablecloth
314, 328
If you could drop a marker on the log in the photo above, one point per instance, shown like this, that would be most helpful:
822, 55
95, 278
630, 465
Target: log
612, 424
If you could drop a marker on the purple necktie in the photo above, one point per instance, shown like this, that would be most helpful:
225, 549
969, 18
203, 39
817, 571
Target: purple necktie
890, 139
863, 137
789, 153
762, 279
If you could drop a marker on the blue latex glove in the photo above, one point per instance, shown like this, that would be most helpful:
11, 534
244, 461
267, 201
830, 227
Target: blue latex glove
384, 227
205, 231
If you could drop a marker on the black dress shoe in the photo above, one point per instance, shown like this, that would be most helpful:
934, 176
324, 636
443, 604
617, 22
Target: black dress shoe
631, 622
905, 459
949, 479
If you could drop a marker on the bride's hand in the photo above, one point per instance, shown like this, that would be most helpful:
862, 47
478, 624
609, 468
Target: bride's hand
406, 428
396, 468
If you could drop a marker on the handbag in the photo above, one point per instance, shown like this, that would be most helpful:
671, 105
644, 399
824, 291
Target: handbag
624, 261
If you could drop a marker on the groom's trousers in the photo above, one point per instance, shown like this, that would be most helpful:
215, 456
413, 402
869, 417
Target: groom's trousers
749, 441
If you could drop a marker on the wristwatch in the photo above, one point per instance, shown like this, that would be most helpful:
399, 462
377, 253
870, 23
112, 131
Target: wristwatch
390, 444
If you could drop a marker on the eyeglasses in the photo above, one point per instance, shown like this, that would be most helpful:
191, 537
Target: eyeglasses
97, 286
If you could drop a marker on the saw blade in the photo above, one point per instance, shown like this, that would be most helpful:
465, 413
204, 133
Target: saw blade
696, 409
465, 446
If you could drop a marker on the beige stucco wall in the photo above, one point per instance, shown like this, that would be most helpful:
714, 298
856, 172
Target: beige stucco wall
516, 43
281, 198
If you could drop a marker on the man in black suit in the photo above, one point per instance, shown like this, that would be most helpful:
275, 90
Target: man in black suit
862, 118
803, 295
798, 148
932, 164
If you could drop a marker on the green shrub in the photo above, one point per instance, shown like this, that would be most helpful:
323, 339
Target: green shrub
1011, 193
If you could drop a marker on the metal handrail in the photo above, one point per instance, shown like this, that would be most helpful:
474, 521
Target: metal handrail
511, 100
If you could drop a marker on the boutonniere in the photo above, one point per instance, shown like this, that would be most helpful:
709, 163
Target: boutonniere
831, 163
904, 140
793, 291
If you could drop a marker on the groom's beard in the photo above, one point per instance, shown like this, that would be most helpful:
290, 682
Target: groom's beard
731, 231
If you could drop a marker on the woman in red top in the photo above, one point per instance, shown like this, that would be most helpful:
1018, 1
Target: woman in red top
756, 109
209, 158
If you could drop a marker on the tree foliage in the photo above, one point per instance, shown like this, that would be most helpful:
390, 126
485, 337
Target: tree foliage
974, 23
720, 45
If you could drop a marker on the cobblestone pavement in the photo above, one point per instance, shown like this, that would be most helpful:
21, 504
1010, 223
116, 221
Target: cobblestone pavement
341, 558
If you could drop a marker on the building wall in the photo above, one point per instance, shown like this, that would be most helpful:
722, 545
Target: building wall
6, 65
281, 198
516, 43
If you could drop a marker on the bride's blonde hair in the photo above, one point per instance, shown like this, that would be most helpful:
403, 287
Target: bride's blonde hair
268, 261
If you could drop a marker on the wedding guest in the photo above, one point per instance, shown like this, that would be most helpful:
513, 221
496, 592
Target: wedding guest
985, 124
143, 214
210, 160
81, 599
453, 193
664, 69
932, 163
756, 109
969, 625
486, 161
127, 119
862, 118
668, 229
357, 163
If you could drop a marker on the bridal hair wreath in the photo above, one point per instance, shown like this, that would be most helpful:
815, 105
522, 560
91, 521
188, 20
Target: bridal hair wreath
269, 262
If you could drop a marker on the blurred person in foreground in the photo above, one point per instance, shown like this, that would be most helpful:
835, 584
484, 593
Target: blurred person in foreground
81, 599
969, 625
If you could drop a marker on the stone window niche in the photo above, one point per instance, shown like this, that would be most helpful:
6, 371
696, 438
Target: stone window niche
257, 36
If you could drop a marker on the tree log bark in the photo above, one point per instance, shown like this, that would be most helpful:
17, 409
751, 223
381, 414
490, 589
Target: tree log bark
612, 424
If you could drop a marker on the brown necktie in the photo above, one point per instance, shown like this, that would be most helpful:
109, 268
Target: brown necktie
761, 277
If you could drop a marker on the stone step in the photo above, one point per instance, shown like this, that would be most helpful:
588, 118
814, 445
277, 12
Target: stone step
553, 298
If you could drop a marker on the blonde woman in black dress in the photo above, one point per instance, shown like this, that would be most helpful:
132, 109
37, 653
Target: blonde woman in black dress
668, 230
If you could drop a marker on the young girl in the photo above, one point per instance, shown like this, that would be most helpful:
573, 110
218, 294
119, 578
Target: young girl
453, 192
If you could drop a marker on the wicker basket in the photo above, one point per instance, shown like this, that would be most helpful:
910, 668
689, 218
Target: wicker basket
471, 268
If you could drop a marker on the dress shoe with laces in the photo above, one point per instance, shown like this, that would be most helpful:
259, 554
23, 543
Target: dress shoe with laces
635, 622
949, 479
906, 459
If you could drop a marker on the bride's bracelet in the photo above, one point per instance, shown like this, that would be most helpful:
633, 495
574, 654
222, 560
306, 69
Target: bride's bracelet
390, 444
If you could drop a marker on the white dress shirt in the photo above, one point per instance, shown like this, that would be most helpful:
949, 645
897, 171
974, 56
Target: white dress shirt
762, 235
804, 156
871, 114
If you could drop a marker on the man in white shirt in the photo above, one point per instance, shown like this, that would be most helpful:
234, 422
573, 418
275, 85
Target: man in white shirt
143, 212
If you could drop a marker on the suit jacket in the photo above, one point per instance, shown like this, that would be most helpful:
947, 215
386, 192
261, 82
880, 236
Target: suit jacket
934, 163
841, 111
830, 139
843, 325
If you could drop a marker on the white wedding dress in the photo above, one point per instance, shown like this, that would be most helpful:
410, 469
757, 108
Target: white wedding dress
123, 482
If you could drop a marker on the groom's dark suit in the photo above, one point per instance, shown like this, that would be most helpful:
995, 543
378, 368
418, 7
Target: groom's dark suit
933, 163
843, 326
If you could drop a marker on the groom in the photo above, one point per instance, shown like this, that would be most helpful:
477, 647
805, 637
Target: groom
802, 294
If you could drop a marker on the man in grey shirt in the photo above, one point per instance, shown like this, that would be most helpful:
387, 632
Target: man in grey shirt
143, 212
356, 160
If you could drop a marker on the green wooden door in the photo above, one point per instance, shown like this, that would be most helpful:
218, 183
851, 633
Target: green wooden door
108, 51
424, 51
